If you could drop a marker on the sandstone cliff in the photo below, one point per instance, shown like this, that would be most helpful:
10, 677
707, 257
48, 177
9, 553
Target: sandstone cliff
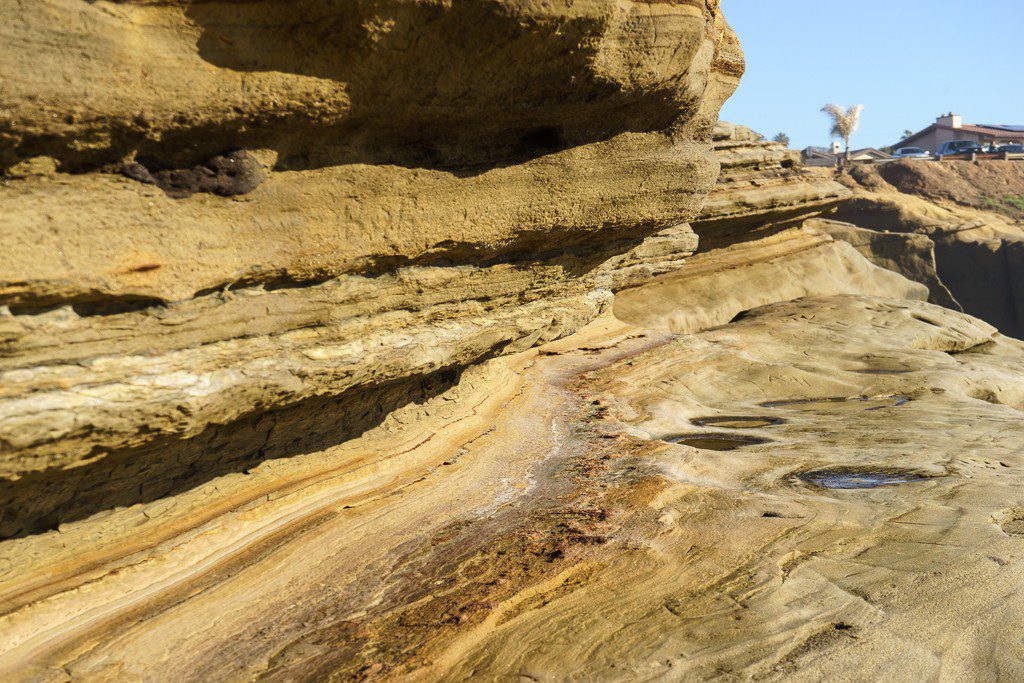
763, 188
909, 254
970, 211
236, 231
396, 340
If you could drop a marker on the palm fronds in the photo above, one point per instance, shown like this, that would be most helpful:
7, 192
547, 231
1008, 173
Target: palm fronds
844, 121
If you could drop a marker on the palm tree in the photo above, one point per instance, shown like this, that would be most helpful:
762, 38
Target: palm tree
781, 138
844, 122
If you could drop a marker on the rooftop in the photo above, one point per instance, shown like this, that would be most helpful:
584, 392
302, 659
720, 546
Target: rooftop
951, 121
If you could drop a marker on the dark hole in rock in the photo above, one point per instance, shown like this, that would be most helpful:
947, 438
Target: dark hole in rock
860, 477
864, 402
716, 442
983, 347
540, 140
114, 305
739, 316
738, 421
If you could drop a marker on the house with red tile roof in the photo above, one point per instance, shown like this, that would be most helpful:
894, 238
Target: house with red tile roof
950, 127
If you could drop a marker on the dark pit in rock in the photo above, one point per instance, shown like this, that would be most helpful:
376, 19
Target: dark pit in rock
859, 478
840, 403
738, 421
716, 442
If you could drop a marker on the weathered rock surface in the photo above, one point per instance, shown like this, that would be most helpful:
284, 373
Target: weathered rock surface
359, 341
909, 254
967, 210
763, 188
757, 573
413, 216
572, 514
715, 287
323, 81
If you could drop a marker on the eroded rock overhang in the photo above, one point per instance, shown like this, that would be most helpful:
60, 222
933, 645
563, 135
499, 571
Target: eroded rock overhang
437, 184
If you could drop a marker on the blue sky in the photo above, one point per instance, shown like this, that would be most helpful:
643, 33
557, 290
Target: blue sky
906, 61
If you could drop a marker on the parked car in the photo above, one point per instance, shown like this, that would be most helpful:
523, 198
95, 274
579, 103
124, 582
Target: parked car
959, 147
912, 153
1011, 149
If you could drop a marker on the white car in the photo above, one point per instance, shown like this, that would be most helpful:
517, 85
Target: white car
912, 153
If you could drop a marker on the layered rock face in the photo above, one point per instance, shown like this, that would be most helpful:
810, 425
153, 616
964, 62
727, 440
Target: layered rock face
763, 188
390, 341
909, 254
970, 210
717, 287
243, 230
762, 239
323, 81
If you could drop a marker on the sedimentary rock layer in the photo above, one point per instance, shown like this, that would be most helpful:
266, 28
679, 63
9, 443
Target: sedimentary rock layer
909, 254
309, 368
323, 81
763, 188
245, 230
480, 533
717, 286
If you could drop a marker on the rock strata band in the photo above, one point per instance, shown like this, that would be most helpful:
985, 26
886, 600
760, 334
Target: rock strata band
333, 351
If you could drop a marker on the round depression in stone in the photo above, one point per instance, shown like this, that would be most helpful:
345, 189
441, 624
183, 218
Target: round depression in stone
846, 478
838, 403
737, 421
716, 441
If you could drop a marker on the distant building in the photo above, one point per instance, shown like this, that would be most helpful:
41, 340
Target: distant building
950, 127
830, 156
